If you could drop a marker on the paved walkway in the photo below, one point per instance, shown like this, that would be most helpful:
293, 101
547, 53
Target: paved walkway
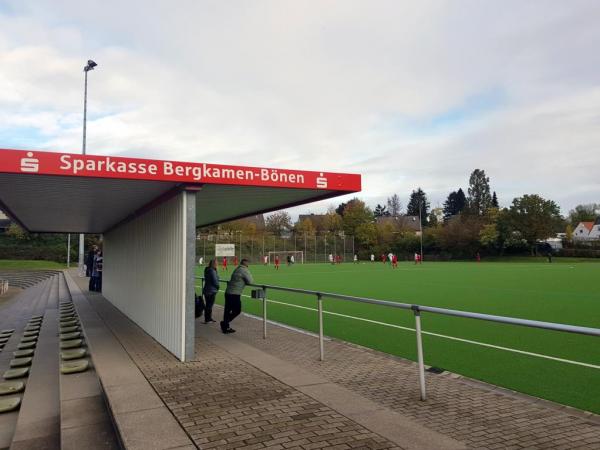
245, 392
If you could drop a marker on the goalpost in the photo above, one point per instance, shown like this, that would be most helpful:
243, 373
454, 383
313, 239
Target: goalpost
298, 256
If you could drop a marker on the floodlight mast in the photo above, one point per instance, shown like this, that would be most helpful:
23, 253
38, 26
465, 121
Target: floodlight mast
421, 227
90, 66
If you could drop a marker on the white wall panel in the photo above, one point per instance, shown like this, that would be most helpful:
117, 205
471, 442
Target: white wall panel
148, 272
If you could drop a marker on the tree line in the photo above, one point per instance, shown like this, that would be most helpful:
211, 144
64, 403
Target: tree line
471, 223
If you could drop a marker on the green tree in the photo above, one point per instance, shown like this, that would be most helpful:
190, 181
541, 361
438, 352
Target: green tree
418, 201
454, 204
332, 221
16, 232
356, 213
306, 226
479, 199
366, 236
488, 236
584, 213
534, 218
432, 220
278, 222
569, 232
460, 236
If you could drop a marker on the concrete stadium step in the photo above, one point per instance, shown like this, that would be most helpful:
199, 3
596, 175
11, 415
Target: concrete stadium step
17, 318
38, 423
85, 418
26, 278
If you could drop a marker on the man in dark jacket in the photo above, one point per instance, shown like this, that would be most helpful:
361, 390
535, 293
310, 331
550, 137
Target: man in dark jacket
210, 289
89, 261
233, 295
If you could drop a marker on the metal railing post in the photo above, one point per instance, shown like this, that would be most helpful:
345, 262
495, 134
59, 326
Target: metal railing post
421, 364
320, 307
264, 313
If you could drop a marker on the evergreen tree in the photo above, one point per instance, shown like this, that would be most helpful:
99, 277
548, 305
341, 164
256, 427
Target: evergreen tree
380, 211
417, 198
480, 199
494, 200
454, 204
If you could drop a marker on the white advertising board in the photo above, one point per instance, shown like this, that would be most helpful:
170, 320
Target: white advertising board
224, 249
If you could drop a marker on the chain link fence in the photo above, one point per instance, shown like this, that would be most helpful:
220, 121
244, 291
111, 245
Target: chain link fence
316, 247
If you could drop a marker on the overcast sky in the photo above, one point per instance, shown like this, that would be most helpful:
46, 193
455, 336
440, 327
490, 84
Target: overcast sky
408, 94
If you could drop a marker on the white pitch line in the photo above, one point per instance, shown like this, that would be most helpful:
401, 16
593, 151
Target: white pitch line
443, 336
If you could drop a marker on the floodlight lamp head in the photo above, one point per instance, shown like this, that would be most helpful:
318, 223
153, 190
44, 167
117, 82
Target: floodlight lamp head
90, 65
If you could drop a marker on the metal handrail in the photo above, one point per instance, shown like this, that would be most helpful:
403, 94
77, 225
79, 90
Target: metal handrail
416, 309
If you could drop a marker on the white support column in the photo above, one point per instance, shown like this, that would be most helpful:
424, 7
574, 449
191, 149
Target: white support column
148, 274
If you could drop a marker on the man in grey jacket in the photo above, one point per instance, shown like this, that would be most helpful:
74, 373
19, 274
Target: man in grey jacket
233, 295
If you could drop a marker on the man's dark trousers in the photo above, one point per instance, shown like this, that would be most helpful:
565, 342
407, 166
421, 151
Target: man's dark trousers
233, 307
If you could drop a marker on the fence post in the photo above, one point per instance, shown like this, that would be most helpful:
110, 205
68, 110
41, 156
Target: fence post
264, 313
321, 349
417, 313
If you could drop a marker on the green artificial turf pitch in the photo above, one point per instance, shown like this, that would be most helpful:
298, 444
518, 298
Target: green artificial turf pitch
565, 292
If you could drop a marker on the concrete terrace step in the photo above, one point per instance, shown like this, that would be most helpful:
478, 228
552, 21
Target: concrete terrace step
85, 418
26, 278
38, 423
16, 317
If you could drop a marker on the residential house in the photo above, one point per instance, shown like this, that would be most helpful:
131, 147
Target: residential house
595, 231
582, 230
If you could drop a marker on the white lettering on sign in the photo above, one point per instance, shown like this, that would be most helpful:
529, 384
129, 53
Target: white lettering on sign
186, 172
30, 164
179, 170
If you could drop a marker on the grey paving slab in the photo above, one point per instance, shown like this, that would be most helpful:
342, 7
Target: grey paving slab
480, 415
373, 416
150, 429
132, 397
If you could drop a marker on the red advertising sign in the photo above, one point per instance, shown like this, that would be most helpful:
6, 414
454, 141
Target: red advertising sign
69, 164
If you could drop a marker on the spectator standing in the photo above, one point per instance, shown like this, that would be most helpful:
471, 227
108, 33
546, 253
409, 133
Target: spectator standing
240, 277
89, 261
210, 289
96, 279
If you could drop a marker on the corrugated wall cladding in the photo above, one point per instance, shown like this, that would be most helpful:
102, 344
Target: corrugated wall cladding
146, 269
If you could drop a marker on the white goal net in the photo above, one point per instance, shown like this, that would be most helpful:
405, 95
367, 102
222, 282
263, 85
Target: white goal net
296, 257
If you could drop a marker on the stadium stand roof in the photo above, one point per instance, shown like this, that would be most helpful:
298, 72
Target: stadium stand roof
73, 193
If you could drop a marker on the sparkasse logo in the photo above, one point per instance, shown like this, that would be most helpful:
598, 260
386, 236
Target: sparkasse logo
321, 181
30, 164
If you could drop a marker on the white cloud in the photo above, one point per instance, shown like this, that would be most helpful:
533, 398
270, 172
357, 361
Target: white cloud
319, 85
